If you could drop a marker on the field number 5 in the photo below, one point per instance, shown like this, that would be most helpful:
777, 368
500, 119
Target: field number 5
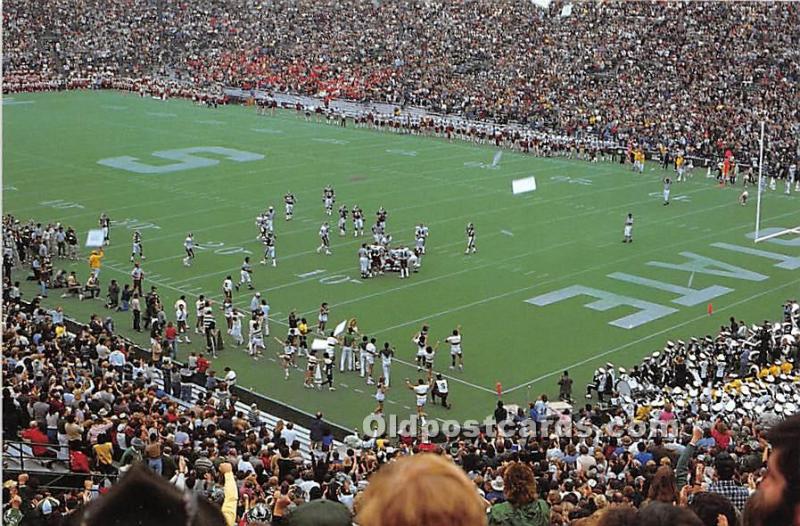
184, 159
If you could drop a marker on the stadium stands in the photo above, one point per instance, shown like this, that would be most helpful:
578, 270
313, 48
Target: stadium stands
693, 76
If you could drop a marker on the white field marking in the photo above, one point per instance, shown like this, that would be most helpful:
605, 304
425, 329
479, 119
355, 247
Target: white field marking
691, 278
529, 272
344, 385
407, 407
160, 114
267, 130
649, 336
557, 279
357, 390
213, 122
328, 140
391, 401
506, 232
12, 102
114, 107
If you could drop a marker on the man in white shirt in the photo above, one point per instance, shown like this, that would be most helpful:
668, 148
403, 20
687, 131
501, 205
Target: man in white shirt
230, 377
289, 434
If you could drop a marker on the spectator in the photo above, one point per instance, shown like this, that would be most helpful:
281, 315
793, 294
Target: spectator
523, 505
400, 495
777, 502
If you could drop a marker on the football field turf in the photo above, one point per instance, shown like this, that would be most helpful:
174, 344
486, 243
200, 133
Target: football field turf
522, 300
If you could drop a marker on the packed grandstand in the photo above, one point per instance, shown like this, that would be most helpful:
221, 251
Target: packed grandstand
702, 431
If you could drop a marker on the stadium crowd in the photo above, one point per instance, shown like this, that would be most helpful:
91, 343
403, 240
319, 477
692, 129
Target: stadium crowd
695, 77
688, 426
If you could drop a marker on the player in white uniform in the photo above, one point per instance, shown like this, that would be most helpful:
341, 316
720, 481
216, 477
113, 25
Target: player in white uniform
289, 201
421, 236
456, 355
628, 229
188, 246
404, 257
244, 274
269, 220
743, 197
667, 185
324, 237
363, 261
328, 198
136, 248
471, 248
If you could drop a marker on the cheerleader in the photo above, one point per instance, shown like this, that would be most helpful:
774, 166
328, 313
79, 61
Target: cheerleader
311, 369
380, 395
286, 356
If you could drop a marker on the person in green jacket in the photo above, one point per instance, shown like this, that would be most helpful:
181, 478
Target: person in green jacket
522, 507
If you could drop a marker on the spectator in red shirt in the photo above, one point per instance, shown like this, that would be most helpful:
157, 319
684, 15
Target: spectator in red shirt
170, 337
37, 434
721, 434
202, 364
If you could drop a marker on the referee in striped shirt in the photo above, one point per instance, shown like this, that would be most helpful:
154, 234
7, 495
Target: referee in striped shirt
210, 328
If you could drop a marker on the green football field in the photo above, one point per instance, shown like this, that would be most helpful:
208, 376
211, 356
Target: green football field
542, 259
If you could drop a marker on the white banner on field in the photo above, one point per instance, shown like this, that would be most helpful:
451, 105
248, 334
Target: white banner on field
521, 186
319, 344
94, 238
340, 328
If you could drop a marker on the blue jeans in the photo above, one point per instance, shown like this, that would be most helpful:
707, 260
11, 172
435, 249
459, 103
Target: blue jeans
43, 288
155, 464
172, 346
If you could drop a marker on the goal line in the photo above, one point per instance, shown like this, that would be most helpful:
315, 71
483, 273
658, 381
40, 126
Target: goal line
795, 231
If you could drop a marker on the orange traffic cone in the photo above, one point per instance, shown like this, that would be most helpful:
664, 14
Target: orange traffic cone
499, 388
710, 309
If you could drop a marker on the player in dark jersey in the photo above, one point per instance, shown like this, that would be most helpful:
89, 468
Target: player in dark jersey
471, 248
342, 220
